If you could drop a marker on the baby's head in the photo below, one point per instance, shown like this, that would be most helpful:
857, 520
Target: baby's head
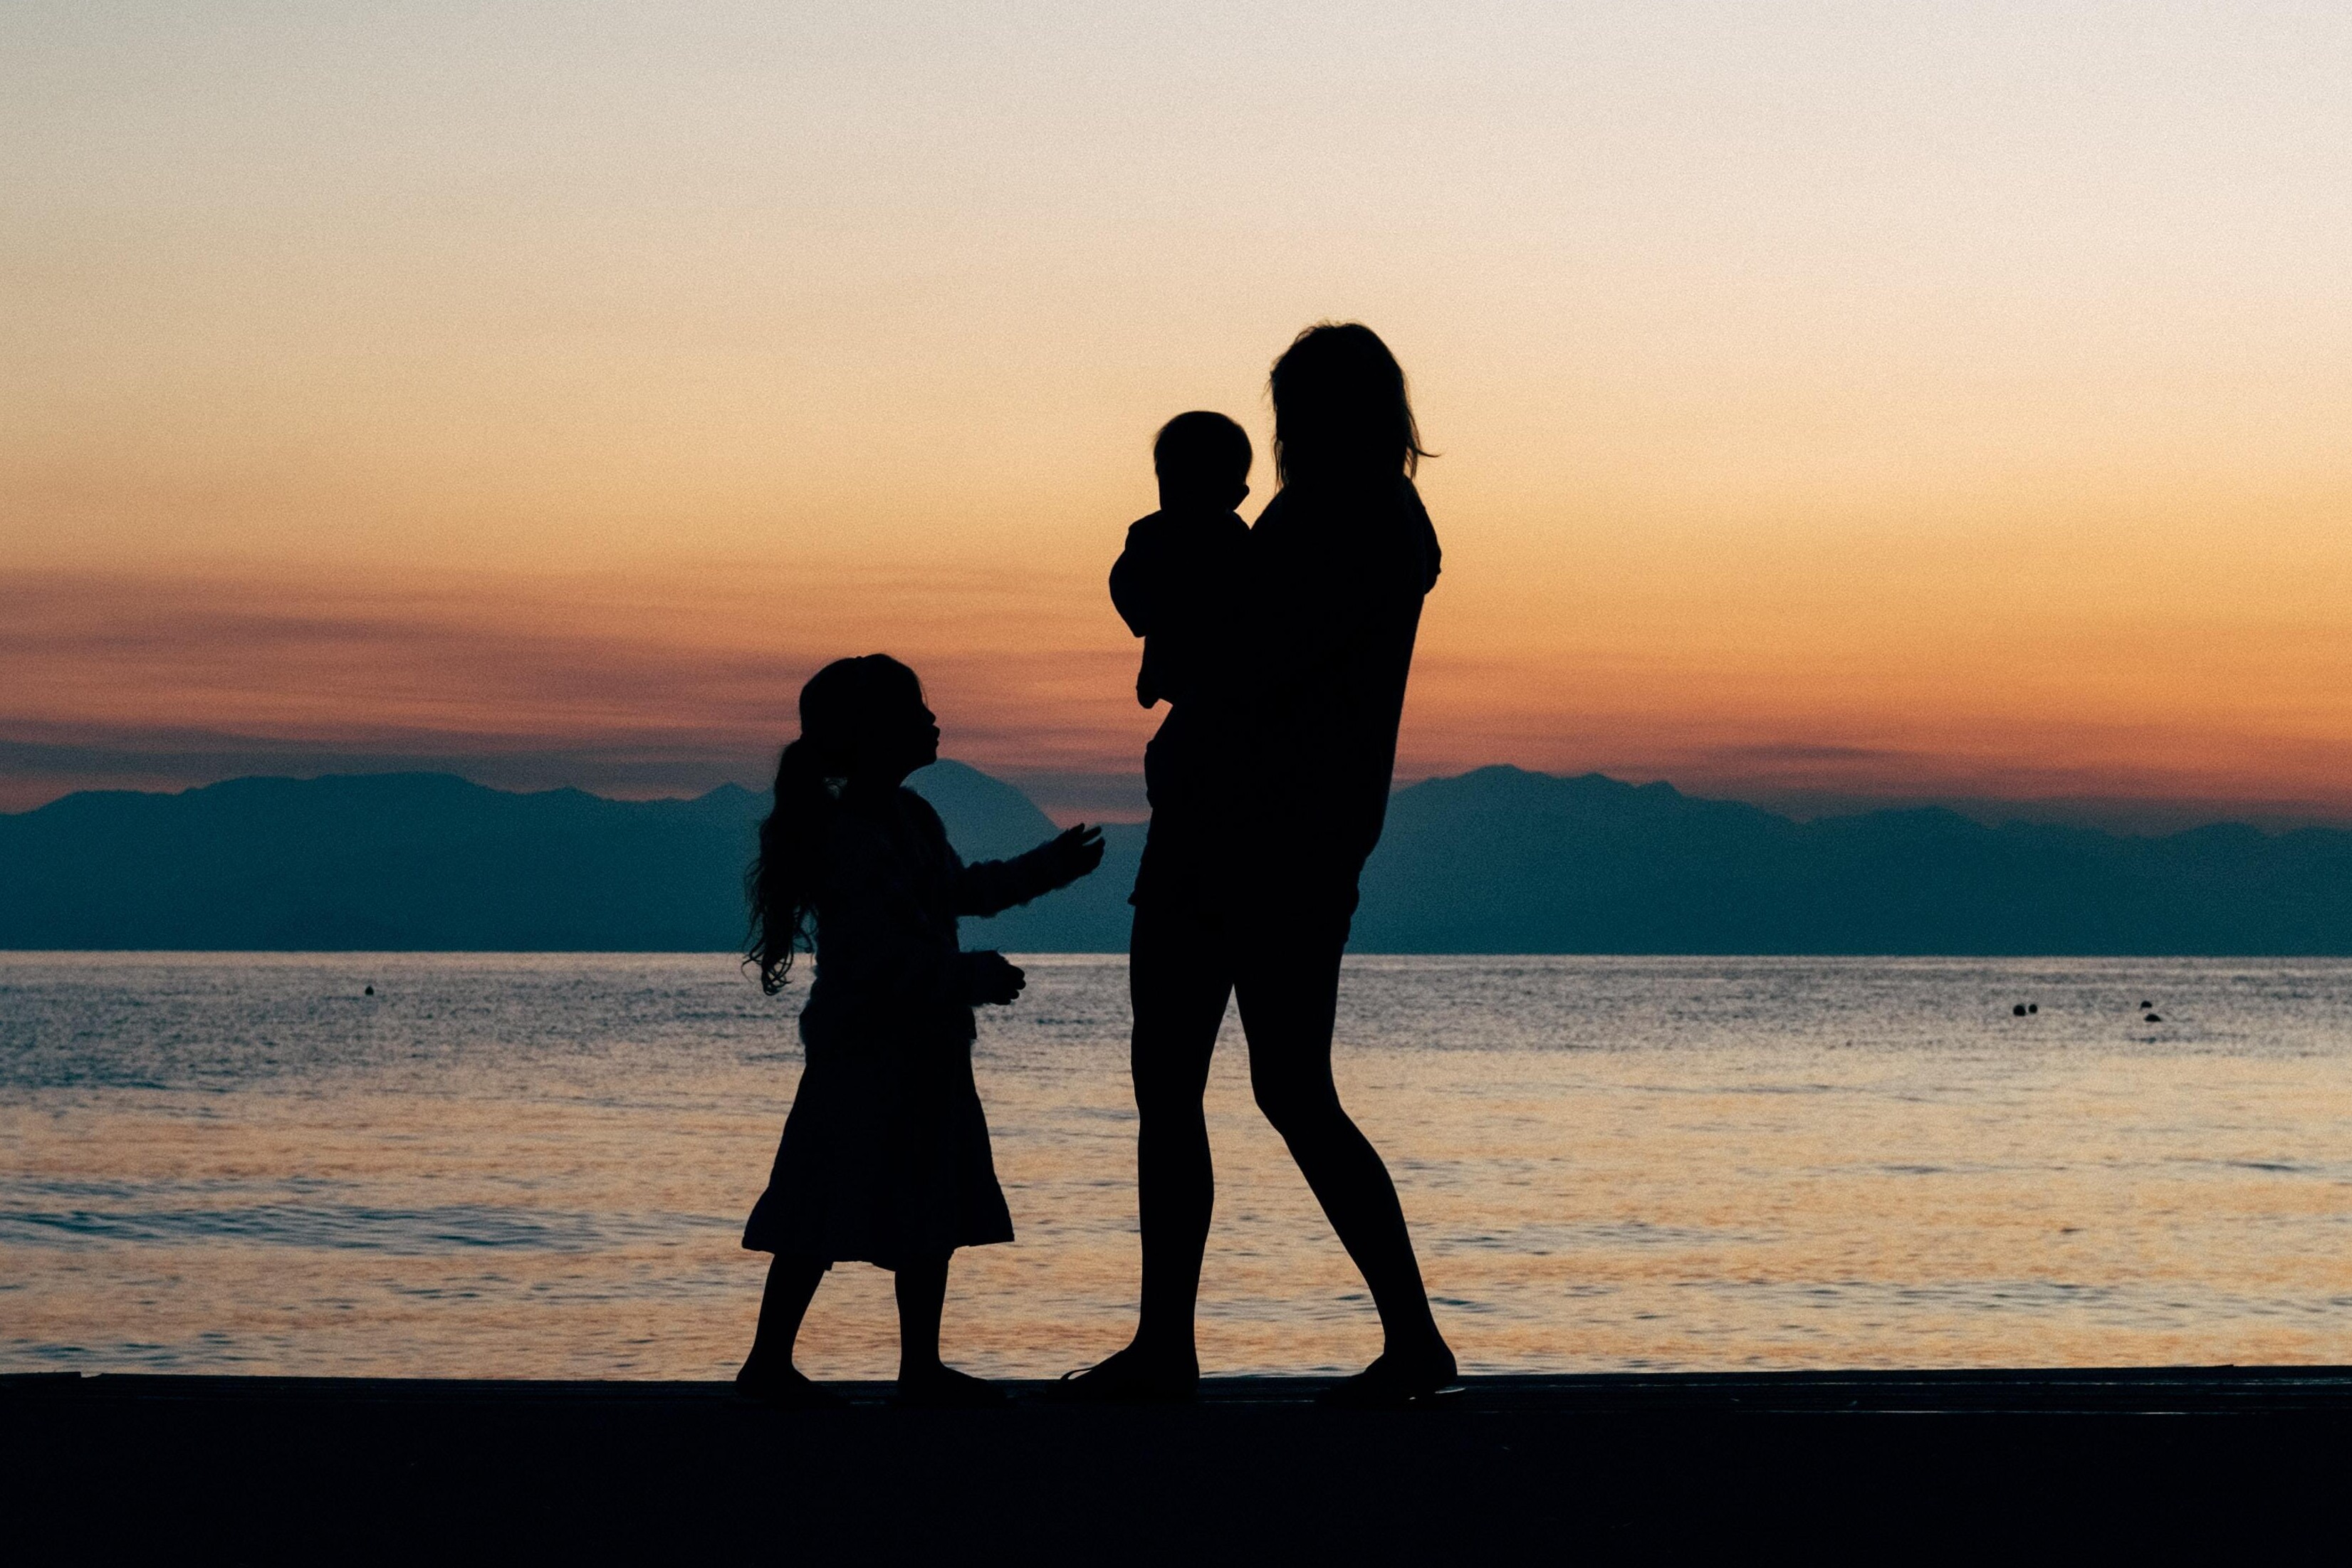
1203, 463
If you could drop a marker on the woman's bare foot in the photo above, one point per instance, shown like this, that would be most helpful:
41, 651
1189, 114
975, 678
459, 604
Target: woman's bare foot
944, 1387
787, 1389
1132, 1376
1397, 1379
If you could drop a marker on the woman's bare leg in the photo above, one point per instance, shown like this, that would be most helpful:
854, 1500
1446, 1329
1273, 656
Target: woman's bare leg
1179, 984
1289, 995
1178, 981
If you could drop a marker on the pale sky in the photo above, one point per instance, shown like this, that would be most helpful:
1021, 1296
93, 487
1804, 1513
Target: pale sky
1875, 401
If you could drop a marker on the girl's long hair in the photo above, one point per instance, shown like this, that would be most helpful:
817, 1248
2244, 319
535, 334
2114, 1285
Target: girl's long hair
1340, 407
781, 884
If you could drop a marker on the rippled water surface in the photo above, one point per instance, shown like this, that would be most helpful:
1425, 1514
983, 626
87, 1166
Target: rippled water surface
527, 1165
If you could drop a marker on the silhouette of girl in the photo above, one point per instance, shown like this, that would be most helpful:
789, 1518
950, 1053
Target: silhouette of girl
1297, 767
885, 1158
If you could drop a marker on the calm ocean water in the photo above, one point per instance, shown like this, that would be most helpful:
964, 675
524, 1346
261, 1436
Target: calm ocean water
537, 1166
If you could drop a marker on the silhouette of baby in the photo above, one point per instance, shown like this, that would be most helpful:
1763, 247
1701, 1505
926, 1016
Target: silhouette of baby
1178, 583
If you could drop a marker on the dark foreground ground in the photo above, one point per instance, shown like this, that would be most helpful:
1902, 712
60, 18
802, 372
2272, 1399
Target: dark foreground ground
1892, 1464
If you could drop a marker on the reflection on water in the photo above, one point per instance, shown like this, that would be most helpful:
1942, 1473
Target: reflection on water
537, 1166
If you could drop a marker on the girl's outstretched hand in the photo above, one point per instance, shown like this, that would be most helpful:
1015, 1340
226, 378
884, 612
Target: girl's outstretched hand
992, 978
1074, 853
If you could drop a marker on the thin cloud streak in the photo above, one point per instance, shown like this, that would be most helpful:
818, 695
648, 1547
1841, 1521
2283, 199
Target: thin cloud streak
121, 682
670, 685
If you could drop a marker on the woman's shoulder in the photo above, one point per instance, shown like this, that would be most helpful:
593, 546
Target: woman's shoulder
1336, 500
1377, 528
1422, 534
1394, 514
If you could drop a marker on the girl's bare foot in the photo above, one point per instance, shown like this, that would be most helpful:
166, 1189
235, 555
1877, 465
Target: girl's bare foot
944, 1387
787, 1389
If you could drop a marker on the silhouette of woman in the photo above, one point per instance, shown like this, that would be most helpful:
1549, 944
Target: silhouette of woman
1249, 877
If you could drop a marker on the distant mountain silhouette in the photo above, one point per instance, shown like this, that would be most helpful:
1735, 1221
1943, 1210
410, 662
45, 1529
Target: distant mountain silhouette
428, 861
1498, 860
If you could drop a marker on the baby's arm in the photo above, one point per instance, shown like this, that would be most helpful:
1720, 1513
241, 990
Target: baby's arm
1196, 619
1139, 575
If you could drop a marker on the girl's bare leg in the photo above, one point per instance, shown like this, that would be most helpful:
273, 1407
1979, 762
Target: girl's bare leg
922, 1290
768, 1371
923, 1377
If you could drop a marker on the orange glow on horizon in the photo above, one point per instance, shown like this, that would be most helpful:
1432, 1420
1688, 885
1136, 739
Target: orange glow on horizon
676, 681
1936, 401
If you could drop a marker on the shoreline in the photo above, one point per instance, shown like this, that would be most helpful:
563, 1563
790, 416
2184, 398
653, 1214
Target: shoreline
2009, 1391
300, 1466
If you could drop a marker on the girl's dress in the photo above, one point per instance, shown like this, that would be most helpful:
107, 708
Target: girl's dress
885, 1156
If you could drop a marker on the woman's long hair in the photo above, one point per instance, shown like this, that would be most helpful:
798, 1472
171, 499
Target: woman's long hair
1340, 407
781, 884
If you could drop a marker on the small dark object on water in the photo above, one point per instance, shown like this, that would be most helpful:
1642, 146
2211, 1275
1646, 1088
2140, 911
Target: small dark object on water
2154, 1018
2033, 1006
2145, 1002
2018, 1011
371, 989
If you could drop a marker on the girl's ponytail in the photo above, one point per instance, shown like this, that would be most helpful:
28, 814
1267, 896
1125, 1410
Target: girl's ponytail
780, 884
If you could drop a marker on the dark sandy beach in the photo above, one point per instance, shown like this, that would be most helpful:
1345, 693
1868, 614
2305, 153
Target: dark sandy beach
1901, 1463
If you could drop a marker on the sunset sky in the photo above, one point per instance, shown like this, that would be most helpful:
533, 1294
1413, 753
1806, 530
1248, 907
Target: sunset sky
1836, 403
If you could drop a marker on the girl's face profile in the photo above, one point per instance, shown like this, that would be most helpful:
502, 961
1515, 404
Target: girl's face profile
926, 736
902, 738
